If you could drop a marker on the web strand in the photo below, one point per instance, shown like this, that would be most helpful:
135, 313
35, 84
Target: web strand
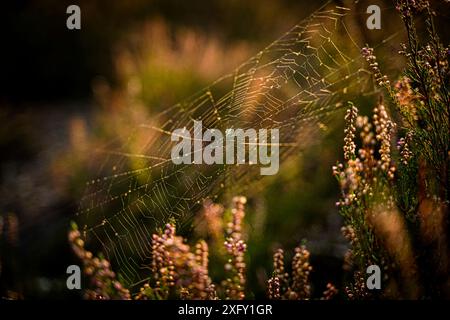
296, 84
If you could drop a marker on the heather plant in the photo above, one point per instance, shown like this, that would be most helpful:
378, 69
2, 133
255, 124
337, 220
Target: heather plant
294, 286
365, 178
103, 282
235, 247
177, 271
395, 200
421, 97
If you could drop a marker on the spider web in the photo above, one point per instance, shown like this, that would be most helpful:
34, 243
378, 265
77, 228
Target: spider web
295, 84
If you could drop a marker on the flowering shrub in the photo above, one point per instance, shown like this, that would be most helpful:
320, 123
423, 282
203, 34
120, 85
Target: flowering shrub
296, 286
395, 205
177, 271
103, 282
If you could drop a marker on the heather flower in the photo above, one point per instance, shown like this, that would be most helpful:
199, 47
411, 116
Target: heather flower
366, 132
330, 292
359, 175
301, 270
175, 267
273, 288
363, 182
279, 285
202, 287
236, 247
358, 289
380, 79
349, 233
404, 146
350, 180
278, 268
103, 280
384, 128
201, 254
349, 144
407, 99
162, 263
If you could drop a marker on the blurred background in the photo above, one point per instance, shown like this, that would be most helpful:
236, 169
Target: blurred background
65, 91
